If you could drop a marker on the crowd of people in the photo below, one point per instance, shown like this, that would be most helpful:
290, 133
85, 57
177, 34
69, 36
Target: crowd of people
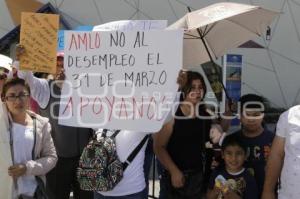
44, 155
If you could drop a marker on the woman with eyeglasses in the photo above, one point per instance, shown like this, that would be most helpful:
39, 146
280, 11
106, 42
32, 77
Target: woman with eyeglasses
32, 149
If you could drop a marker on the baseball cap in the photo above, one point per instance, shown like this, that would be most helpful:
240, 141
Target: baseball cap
5, 62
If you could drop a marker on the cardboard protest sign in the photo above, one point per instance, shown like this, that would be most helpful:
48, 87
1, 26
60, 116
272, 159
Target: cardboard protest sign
130, 25
120, 80
16, 7
39, 37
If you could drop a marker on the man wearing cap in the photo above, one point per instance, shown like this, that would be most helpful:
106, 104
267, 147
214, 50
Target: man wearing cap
69, 141
5, 67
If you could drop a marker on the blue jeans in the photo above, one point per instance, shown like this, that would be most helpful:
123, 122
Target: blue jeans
139, 195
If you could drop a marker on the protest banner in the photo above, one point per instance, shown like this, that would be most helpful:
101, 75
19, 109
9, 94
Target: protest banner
60, 34
120, 80
130, 25
39, 38
123, 25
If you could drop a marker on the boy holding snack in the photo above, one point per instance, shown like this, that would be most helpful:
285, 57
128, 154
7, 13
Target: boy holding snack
231, 180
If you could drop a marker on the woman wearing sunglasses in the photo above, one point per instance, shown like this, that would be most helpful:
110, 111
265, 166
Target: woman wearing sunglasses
31, 146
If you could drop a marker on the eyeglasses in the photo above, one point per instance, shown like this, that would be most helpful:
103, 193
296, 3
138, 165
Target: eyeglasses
13, 98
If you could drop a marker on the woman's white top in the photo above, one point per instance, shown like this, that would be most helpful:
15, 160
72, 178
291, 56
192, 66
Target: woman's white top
23, 142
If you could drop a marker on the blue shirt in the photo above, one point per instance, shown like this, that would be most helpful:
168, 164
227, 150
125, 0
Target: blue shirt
244, 183
258, 149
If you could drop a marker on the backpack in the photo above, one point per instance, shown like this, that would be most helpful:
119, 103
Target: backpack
100, 168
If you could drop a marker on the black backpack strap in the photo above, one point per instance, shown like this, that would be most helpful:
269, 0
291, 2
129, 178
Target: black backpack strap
104, 132
34, 137
135, 152
115, 133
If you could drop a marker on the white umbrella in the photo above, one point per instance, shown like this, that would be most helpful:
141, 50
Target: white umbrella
213, 30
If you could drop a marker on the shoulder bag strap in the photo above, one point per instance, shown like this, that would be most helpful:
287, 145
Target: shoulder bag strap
115, 134
41, 190
135, 152
34, 137
11, 143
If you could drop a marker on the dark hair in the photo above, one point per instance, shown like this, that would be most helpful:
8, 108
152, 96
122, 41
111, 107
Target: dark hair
252, 101
13, 82
191, 76
233, 140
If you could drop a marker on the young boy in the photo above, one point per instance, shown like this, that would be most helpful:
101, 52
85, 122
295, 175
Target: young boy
232, 180
255, 137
